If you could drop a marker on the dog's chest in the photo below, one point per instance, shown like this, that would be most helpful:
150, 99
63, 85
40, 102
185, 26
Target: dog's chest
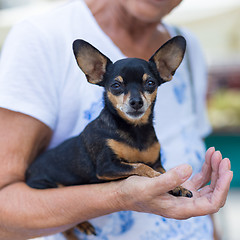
133, 155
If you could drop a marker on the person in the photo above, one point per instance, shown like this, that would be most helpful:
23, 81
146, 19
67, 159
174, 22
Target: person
45, 99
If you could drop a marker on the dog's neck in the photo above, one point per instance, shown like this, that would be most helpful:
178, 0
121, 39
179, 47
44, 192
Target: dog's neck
139, 136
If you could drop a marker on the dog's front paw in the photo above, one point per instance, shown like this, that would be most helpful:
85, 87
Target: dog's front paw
181, 192
86, 228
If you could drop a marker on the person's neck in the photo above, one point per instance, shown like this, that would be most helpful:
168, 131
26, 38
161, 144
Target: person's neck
134, 37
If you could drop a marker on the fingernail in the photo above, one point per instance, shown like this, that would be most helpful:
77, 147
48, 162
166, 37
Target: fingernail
218, 153
184, 171
227, 164
212, 148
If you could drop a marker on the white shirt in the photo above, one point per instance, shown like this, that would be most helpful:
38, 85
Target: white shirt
39, 77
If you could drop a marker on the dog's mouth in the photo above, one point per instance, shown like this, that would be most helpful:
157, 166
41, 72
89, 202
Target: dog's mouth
135, 114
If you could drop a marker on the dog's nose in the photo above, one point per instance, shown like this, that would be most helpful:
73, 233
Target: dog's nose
136, 103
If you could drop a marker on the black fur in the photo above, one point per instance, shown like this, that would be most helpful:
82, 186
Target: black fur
121, 141
89, 158
80, 159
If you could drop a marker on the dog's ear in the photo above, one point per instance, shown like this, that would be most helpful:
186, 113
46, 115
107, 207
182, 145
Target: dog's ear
169, 56
91, 61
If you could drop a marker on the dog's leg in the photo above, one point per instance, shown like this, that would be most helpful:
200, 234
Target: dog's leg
124, 170
158, 167
178, 191
86, 228
70, 235
181, 192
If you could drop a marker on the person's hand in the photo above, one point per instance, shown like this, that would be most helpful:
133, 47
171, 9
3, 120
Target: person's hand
151, 194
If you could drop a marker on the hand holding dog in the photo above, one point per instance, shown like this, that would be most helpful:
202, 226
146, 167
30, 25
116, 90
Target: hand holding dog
150, 194
135, 193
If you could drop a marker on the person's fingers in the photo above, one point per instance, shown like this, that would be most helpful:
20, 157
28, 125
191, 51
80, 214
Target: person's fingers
218, 194
223, 183
215, 162
172, 178
209, 154
212, 200
229, 163
208, 203
146, 194
210, 188
202, 178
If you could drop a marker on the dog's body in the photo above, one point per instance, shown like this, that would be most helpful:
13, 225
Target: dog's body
97, 153
121, 142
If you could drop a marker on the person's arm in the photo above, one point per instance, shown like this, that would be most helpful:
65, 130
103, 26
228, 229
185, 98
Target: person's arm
27, 213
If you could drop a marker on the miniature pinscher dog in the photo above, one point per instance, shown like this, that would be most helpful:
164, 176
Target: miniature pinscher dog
121, 141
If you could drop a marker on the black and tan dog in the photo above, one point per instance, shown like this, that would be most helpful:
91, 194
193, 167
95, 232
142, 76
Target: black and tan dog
121, 142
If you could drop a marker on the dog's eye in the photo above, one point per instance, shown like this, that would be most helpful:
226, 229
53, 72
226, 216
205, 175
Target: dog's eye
116, 85
150, 83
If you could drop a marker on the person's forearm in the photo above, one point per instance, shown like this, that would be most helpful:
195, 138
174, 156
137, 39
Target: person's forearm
27, 213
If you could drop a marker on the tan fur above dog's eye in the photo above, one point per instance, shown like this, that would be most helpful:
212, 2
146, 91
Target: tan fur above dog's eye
119, 79
145, 77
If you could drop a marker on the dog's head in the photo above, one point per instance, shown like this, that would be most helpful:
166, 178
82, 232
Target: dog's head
130, 84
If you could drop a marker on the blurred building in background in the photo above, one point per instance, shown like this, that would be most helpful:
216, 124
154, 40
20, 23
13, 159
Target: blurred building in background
216, 24
17, 3
12, 3
12, 11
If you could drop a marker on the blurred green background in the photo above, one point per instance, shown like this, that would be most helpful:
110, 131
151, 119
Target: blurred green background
229, 146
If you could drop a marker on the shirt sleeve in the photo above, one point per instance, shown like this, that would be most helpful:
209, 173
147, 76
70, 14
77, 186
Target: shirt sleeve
27, 76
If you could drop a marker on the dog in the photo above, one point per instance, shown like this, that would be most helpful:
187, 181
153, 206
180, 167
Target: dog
121, 141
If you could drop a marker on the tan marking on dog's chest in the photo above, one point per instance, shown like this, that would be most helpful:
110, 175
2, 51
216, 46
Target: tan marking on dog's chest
134, 155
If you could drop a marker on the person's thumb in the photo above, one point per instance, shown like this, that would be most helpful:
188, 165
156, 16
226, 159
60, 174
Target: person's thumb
173, 178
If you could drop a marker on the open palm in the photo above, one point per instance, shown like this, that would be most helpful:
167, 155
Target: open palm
151, 194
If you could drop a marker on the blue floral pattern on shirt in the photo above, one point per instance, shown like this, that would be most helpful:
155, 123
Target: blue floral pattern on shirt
91, 113
180, 92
